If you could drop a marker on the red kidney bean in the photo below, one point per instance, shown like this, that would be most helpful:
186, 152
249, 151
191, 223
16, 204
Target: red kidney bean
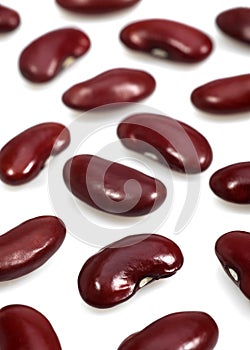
232, 183
96, 6
9, 19
29, 245
226, 95
113, 187
119, 270
113, 86
191, 330
46, 56
232, 250
182, 147
168, 39
22, 158
25, 328
235, 22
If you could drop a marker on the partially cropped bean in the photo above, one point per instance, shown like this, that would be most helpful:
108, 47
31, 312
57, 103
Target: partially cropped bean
120, 269
9, 19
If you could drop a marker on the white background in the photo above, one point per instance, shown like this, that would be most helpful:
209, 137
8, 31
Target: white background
201, 284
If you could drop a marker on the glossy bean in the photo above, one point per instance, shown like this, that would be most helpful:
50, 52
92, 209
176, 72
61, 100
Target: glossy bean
167, 39
113, 187
23, 157
9, 19
168, 140
113, 86
232, 183
119, 270
226, 95
96, 6
29, 245
232, 250
191, 330
235, 22
46, 56
23, 327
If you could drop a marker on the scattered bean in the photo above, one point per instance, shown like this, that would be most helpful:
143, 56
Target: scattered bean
9, 19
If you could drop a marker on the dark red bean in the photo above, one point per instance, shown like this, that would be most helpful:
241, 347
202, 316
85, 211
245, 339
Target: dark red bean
96, 6
235, 22
191, 330
226, 95
113, 86
46, 56
168, 39
232, 183
23, 157
113, 187
29, 245
182, 147
24, 328
120, 269
232, 250
9, 19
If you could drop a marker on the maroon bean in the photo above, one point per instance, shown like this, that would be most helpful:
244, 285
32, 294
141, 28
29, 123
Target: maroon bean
113, 86
232, 250
232, 183
25, 328
9, 19
113, 187
191, 330
46, 56
168, 39
182, 147
29, 245
235, 22
226, 95
22, 158
119, 270
96, 6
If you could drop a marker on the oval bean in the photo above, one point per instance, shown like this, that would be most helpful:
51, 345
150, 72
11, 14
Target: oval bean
226, 95
23, 157
22, 327
191, 330
113, 86
232, 183
168, 39
182, 147
119, 270
113, 187
9, 19
46, 56
29, 245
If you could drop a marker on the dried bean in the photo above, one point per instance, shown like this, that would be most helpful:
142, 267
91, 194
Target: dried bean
9, 19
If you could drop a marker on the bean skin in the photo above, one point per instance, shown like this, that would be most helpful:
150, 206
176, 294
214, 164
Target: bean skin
29, 245
113, 187
46, 56
232, 183
23, 157
169, 39
191, 330
224, 96
9, 19
182, 147
25, 328
113, 86
119, 270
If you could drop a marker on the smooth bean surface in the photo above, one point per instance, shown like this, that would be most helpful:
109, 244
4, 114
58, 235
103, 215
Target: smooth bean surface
168, 39
113, 86
9, 19
23, 157
29, 245
120, 269
187, 330
113, 187
224, 96
25, 328
169, 141
47, 55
